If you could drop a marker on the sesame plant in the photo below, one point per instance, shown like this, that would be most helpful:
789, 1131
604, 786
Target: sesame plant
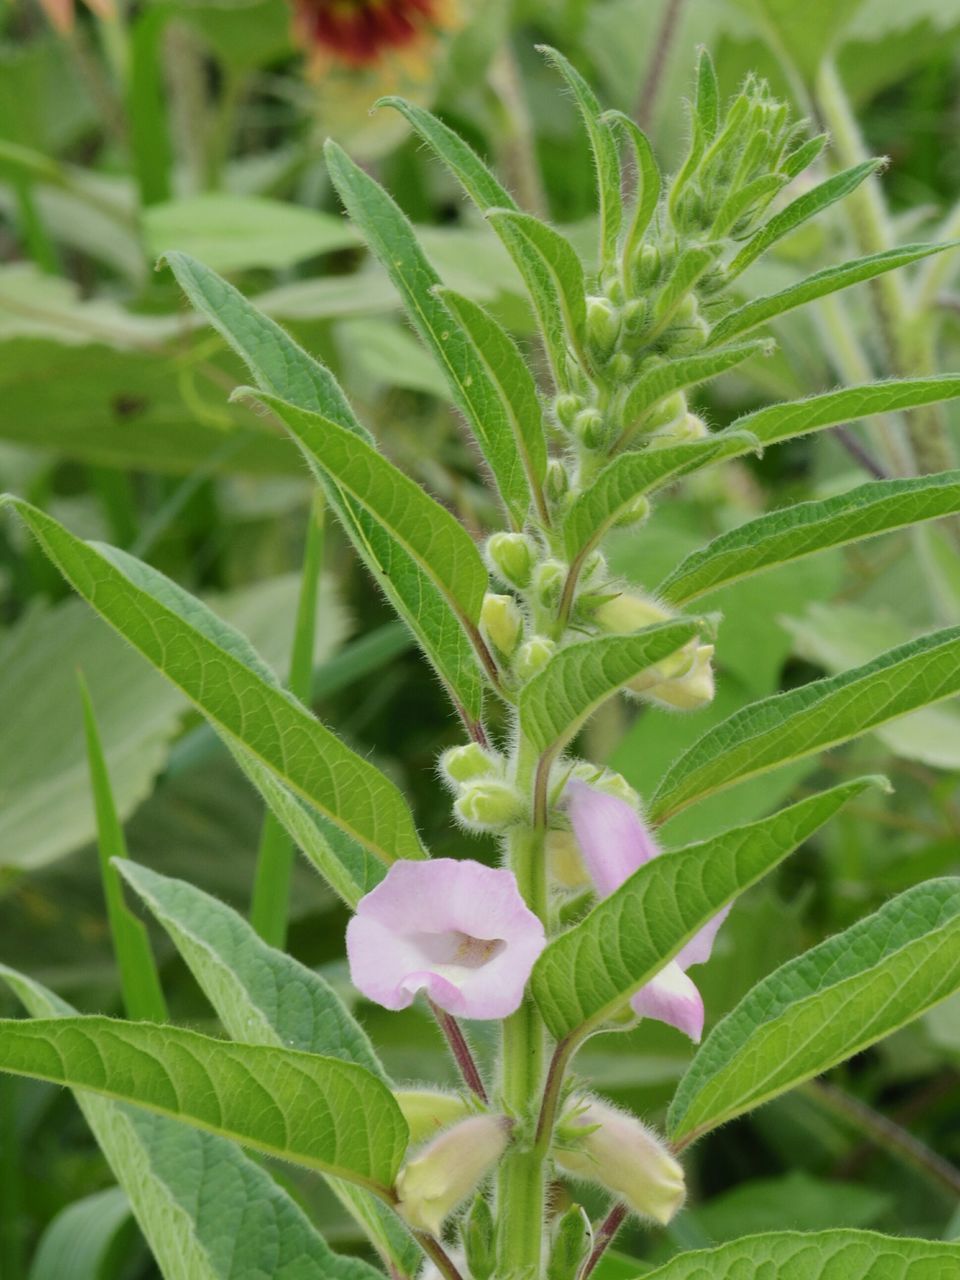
588, 924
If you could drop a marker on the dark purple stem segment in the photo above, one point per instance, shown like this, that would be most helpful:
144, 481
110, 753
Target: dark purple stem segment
457, 1042
604, 1238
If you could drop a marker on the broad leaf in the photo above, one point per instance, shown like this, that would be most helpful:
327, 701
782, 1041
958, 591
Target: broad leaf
586, 974
392, 239
821, 1255
798, 531
760, 310
219, 671
815, 717
82, 1240
687, 371
185, 1187
322, 1113
825, 1006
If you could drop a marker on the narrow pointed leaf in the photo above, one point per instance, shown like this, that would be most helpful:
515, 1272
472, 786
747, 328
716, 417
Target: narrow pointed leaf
281, 367
220, 672
648, 181
831, 280
586, 974
799, 531
687, 371
825, 1006
816, 1255
707, 101
559, 699
692, 264
392, 240
813, 718
207, 1211
800, 210
327, 1115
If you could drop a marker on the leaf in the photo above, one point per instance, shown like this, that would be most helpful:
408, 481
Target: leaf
806, 206
759, 310
207, 1211
393, 241
801, 530
588, 973
691, 265
231, 232
825, 1006
82, 1239
555, 282
631, 475
606, 156
648, 181
327, 1115
220, 672
559, 699
674, 375
813, 718
822, 1255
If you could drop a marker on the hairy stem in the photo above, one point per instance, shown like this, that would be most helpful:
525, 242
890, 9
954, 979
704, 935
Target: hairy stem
460, 1049
438, 1255
604, 1238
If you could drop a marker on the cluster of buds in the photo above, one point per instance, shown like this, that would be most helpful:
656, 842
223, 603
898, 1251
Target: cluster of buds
682, 682
485, 800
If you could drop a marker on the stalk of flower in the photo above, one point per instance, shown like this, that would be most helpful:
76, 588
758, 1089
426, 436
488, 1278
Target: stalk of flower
432, 1185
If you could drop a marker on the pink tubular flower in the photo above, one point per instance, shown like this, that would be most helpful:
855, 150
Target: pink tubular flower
614, 842
458, 930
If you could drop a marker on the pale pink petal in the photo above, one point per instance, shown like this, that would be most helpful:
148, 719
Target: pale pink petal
613, 838
671, 997
698, 949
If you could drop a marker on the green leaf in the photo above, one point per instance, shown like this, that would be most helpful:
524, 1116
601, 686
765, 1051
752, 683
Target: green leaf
687, 371
282, 368
586, 974
707, 101
691, 265
555, 282
806, 206
813, 718
631, 475
798, 531
220, 672
139, 981
327, 1115
825, 1006
82, 1239
606, 156
649, 182
759, 310
822, 1255
559, 699
392, 239
208, 1212
511, 376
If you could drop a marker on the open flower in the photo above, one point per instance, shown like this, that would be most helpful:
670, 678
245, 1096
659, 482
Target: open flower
456, 929
360, 33
614, 841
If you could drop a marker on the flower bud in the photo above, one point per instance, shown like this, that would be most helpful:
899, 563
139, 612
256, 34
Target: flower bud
614, 1149
557, 483
478, 1233
565, 409
427, 1111
571, 1244
691, 690
689, 427
463, 764
511, 556
431, 1186
635, 513
564, 860
613, 289
647, 265
501, 622
594, 568
606, 780
630, 612
635, 317
603, 325
548, 582
533, 656
619, 367
683, 339
488, 805
667, 411
591, 428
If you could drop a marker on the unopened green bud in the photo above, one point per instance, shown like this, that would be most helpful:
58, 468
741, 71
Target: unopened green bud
667, 411
557, 483
603, 325
688, 428
427, 1111
590, 428
565, 409
478, 1234
647, 265
572, 1242
636, 513
431, 1186
594, 567
635, 317
619, 366
463, 764
501, 622
612, 1148
533, 656
687, 338
689, 689
606, 780
488, 805
613, 289
630, 612
511, 556
548, 580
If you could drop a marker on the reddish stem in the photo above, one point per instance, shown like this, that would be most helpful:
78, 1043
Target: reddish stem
604, 1237
457, 1042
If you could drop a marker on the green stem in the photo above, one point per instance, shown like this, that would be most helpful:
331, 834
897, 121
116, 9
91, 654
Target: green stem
270, 907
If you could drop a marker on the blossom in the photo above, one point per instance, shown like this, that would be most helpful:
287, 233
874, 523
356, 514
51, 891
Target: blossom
431, 1185
614, 841
360, 33
456, 929
616, 1149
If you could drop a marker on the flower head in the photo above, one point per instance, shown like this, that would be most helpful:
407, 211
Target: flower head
432, 1185
61, 12
360, 33
614, 842
456, 929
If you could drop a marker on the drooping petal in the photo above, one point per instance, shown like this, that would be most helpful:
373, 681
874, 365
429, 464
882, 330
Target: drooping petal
673, 998
613, 838
700, 946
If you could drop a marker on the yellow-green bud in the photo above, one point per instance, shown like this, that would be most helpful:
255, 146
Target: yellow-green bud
613, 289
612, 1148
690, 690
548, 582
427, 1111
436, 1181
533, 656
463, 764
488, 805
511, 556
565, 409
647, 266
603, 325
594, 567
590, 427
501, 622
478, 1233
630, 612
667, 411
557, 483
619, 366
606, 780
636, 513
635, 317
564, 860
689, 427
